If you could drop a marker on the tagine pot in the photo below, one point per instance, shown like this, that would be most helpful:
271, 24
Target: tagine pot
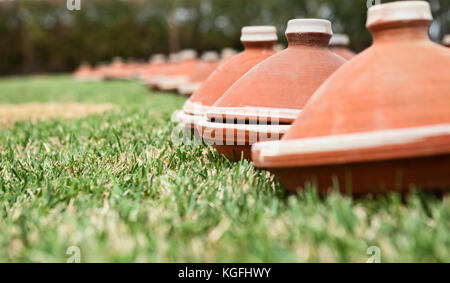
179, 73
209, 62
339, 44
258, 44
381, 122
275, 91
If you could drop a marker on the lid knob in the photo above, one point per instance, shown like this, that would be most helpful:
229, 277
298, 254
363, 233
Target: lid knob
188, 54
446, 40
309, 26
339, 39
259, 34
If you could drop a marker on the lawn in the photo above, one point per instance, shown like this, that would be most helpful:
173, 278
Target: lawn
114, 187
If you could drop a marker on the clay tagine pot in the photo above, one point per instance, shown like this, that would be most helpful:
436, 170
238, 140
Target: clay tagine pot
209, 62
155, 65
179, 73
258, 44
274, 91
339, 44
446, 40
379, 123
85, 73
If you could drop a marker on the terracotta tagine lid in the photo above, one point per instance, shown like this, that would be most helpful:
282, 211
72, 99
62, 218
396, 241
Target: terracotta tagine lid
258, 42
381, 122
446, 40
209, 62
279, 87
275, 90
339, 44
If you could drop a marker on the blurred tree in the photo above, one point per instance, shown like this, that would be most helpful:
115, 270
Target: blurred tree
45, 36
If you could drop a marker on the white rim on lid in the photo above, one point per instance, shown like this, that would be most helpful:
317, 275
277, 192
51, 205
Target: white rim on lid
259, 34
308, 26
446, 40
210, 56
399, 11
339, 39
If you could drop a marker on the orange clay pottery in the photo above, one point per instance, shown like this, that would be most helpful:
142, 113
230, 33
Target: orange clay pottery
209, 62
258, 42
446, 40
274, 91
381, 122
339, 44
179, 73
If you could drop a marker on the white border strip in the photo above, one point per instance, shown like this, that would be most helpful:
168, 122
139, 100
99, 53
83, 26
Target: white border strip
349, 141
285, 113
196, 108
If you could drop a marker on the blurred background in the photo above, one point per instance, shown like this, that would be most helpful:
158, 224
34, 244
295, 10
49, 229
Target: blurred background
38, 36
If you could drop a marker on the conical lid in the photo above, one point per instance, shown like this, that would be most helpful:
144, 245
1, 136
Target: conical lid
280, 86
339, 44
391, 101
258, 42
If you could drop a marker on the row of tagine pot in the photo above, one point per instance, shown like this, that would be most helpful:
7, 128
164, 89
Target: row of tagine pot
183, 72
378, 122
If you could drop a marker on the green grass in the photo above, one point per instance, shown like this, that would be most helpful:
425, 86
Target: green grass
115, 186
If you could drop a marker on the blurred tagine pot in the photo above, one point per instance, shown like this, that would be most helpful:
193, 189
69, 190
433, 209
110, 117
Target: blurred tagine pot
379, 123
265, 101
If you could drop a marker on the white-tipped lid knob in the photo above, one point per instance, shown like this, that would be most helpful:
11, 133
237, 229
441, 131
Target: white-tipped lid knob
339, 39
309, 26
399, 11
157, 58
259, 34
446, 40
174, 57
210, 56
228, 53
188, 54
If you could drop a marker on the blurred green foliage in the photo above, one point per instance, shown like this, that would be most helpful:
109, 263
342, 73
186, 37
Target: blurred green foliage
38, 36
